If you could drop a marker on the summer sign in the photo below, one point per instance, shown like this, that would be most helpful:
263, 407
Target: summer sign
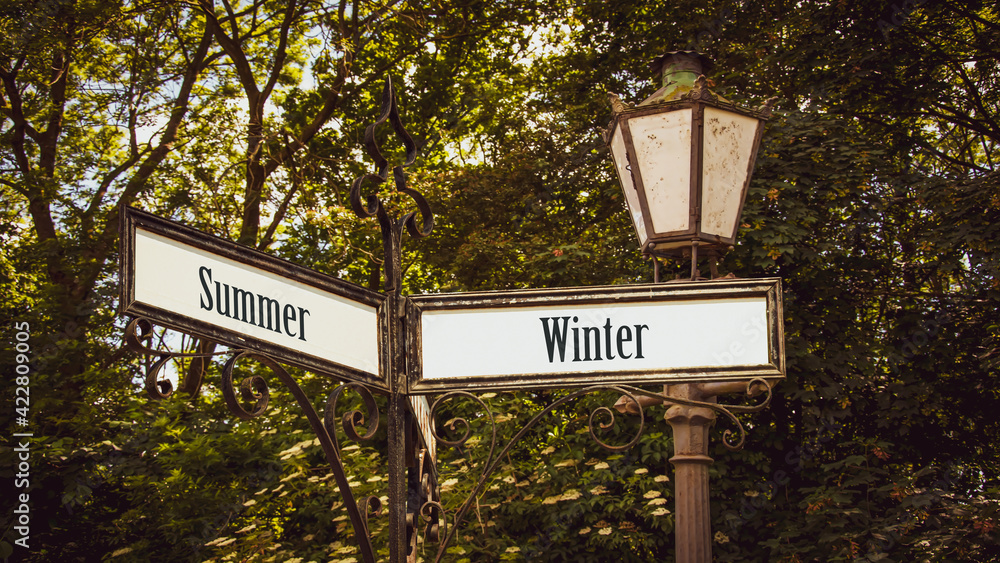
237, 296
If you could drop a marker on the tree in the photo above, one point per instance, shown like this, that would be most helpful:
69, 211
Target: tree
104, 104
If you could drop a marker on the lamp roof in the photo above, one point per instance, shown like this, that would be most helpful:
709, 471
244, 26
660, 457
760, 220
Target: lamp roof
691, 61
680, 72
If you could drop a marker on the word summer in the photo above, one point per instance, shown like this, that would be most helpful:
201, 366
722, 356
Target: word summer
251, 308
623, 339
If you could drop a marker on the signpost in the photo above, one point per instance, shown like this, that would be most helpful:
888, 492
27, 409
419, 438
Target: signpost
694, 332
209, 287
700, 339
721, 330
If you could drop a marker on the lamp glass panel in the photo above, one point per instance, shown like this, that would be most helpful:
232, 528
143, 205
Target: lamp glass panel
620, 156
663, 154
728, 146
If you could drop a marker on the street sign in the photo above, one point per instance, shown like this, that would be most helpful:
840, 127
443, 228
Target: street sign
552, 338
191, 281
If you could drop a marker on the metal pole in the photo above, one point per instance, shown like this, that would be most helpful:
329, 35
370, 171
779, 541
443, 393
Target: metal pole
693, 519
396, 428
392, 231
397, 478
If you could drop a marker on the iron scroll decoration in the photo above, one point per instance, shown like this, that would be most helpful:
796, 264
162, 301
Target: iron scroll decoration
249, 399
439, 526
370, 205
494, 458
254, 390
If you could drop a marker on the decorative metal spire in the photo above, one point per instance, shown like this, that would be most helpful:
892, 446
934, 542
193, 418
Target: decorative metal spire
372, 206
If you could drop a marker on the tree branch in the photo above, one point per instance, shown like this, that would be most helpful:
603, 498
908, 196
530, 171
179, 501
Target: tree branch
279, 215
282, 50
104, 243
232, 48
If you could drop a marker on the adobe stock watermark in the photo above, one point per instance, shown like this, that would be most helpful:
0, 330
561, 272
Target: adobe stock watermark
21, 442
753, 330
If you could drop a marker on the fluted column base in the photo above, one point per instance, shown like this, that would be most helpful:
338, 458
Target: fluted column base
693, 519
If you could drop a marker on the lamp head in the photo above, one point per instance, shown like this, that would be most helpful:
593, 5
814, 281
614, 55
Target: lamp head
684, 157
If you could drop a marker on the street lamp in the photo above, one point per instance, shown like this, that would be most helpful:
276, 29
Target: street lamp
684, 157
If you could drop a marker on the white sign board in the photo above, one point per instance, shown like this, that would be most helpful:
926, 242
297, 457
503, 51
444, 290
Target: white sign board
240, 297
727, 329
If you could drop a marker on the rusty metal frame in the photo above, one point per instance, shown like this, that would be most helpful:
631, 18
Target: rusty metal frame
421, 475
399, 423
603, 417
623, 121
428, 512
254, 389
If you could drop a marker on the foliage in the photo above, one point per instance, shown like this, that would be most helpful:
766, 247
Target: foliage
875, 199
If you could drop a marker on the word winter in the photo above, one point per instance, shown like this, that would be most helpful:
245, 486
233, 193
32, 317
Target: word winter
618, 339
